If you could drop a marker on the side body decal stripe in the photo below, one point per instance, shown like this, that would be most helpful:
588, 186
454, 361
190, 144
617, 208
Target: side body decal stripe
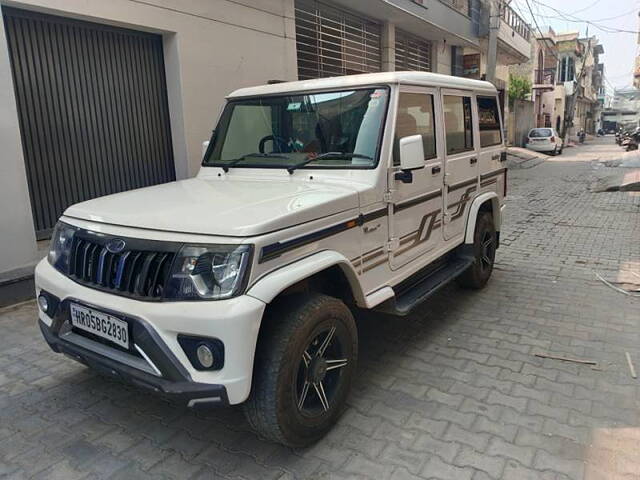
274, 250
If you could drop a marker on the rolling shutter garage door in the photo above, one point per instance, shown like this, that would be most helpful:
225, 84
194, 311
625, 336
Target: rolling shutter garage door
93, 110
332, 42
412, 53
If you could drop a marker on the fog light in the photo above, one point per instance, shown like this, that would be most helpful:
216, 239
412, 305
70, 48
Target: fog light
44, 303
205, 356
203, 353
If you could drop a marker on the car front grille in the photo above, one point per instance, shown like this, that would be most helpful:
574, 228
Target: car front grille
140, 270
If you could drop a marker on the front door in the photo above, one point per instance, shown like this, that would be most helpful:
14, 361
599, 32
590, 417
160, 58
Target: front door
415, 223
461, 160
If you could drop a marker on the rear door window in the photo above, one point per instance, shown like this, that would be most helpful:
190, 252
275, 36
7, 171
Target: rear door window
540, 133
458, 123
489, 121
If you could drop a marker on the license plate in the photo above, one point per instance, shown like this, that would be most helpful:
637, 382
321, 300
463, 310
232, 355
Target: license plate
100, 324
539, 139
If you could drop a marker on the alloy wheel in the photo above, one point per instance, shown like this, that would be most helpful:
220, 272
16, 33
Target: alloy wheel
487, 250
319, 377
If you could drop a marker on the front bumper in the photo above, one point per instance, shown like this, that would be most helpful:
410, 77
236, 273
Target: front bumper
180, 389
163, 366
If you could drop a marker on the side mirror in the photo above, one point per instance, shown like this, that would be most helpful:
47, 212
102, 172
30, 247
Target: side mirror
205, 145
411, 157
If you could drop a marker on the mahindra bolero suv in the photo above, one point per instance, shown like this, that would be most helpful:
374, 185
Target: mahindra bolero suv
314, 197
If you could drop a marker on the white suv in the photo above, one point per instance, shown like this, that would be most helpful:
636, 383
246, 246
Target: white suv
544, 140
314, 196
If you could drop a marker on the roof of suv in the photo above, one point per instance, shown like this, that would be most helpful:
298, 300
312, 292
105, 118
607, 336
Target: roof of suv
384, 78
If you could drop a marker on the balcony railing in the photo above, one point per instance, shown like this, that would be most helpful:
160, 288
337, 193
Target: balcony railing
545, 76
515, 21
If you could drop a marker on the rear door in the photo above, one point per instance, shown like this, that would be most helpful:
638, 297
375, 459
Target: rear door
461, 159
417, 205
490, 135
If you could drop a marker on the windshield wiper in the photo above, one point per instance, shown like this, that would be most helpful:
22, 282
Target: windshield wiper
235, 161
310, 159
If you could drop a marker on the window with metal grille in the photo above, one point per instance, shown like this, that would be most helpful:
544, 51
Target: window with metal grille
412, 53
332, 42
93, 110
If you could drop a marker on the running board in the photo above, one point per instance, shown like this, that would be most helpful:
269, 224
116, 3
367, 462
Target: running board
412, 295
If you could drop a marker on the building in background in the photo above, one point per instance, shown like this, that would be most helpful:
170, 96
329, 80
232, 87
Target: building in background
513, 46
559, 65
579, 71
100, 97
545, 59
624, 110
541, 70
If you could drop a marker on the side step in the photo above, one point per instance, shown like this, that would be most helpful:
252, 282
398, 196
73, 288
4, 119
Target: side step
414, 292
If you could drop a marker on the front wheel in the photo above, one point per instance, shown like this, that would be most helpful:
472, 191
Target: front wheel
484, 251
304, 365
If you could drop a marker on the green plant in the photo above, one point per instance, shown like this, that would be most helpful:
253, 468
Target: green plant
519, 88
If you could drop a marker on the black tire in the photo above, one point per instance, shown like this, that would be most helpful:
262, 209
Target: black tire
280, 371
484, 251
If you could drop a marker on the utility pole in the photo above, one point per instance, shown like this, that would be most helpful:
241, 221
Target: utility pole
494, 25
570, 106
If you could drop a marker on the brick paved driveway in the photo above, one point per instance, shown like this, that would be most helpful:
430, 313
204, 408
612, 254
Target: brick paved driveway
452, 392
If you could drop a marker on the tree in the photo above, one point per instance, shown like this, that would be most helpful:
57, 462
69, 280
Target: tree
519, 88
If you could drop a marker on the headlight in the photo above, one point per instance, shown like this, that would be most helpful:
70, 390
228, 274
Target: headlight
208, 272
60, 247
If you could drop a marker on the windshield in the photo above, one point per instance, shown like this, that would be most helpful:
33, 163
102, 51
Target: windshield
338, 129
540, 132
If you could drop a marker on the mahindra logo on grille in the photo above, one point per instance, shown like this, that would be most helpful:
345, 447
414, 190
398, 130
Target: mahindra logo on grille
116, 245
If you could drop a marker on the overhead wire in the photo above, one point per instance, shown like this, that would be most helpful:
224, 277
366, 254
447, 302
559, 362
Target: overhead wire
544, 38
577, 20
571, 18
587, 7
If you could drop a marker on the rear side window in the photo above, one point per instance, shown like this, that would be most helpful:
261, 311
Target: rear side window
457, 123
540, 132
489, 121
415, 117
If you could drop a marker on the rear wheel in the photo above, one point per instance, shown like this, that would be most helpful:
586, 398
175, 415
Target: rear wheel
484, 251
303, 369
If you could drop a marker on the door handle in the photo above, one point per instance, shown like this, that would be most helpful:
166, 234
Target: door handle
473, 160
436, 169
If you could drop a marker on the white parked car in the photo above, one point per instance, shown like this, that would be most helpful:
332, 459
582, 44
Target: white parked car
234, 286
544, 140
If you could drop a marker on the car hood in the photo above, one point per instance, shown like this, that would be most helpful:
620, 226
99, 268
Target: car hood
227, 207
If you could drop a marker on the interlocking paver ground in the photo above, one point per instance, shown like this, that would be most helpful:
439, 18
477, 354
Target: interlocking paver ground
453, 391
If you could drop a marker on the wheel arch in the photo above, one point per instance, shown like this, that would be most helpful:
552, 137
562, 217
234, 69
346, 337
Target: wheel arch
488, 201
327, 272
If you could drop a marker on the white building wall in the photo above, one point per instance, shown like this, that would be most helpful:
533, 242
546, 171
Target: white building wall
211, 47
442, 56
17, 236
